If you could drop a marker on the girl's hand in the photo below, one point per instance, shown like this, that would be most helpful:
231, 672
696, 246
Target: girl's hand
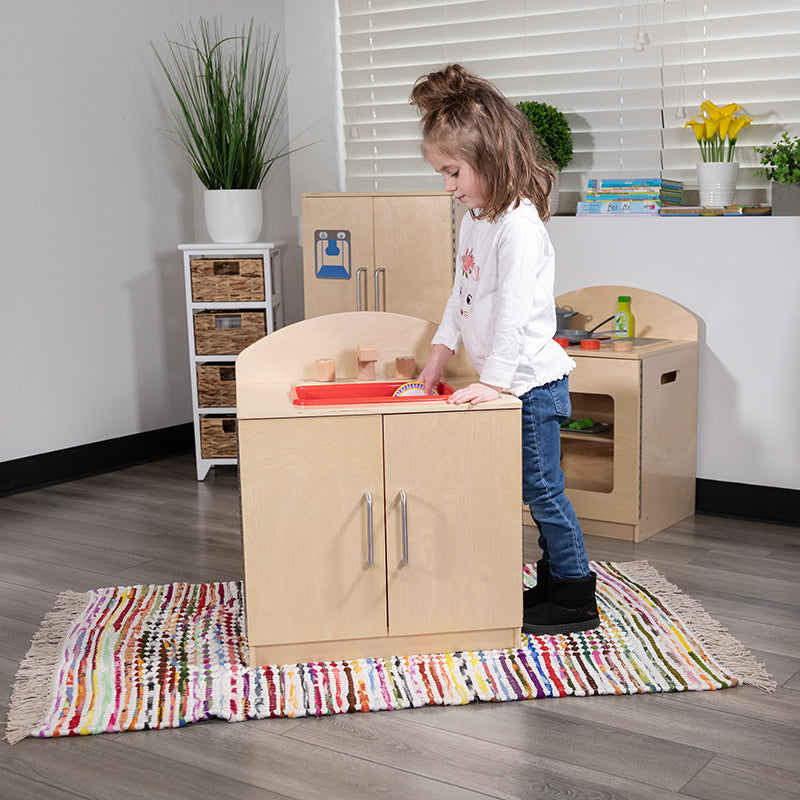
432, 372
474, 393
431, 375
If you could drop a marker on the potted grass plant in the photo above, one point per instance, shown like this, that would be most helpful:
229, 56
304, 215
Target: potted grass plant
554, 134
781, 162
228, 115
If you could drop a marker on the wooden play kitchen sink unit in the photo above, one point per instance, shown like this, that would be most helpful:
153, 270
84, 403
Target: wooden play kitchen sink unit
380, 526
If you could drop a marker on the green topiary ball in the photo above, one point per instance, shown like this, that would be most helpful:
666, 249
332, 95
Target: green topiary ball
552, 129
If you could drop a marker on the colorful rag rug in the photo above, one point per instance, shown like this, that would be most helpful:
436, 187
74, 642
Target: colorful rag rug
144, 657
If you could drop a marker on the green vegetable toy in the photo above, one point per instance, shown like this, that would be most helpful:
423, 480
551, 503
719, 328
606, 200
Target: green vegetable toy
578, 425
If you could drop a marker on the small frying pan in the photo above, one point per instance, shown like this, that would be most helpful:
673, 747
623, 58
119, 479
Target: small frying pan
575, 336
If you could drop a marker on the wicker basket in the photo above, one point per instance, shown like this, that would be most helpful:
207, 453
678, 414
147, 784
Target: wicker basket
218, 436
219, 333
223, 280
216, 385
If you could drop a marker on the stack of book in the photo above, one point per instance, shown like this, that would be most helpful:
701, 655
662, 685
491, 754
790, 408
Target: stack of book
630, 196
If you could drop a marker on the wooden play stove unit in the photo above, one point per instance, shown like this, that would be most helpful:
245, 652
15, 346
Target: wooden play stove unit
637, 476
379, 528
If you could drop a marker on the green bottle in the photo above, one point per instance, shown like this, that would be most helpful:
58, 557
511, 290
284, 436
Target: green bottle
624, 324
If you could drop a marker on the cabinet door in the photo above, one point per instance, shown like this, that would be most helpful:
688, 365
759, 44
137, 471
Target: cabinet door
464, 526
414, 247
331, 264
304, 517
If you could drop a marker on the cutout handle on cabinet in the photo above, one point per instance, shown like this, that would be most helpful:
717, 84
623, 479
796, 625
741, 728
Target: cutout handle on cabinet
226, 321
404, 514
669, 377
226, 267
370, 542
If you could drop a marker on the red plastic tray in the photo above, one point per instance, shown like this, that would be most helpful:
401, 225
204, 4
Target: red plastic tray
346, 394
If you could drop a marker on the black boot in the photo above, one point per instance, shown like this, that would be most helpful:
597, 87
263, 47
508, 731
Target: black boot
538, 594
570, 607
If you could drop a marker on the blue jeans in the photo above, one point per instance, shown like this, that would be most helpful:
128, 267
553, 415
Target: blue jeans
544, 408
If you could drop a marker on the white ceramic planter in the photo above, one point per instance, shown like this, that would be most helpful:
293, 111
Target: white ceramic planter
717, 182
234, 215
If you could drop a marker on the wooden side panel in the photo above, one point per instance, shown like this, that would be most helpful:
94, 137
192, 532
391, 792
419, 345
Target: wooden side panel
289, 355
669, 439
656, 316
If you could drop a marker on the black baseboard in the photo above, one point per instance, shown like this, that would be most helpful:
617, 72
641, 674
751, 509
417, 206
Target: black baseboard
745, 501
34, 472
717, 498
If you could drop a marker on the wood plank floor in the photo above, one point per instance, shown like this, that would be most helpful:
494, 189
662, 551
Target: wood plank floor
156, 524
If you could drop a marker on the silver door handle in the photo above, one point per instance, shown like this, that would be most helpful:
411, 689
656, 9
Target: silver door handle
380, 271
360, 272
370, 543
404, 516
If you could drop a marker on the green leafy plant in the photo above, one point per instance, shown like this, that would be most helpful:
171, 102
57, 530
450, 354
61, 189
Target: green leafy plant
781, 159
552, 129
229, 110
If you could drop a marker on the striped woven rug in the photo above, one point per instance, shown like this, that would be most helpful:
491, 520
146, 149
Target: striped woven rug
144, 657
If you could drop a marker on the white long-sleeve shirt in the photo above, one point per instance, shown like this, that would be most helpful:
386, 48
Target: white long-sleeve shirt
502, 307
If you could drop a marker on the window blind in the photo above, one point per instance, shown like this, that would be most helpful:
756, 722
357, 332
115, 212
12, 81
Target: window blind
626, 105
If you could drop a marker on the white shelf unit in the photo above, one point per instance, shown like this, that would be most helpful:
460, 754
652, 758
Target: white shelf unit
271, 305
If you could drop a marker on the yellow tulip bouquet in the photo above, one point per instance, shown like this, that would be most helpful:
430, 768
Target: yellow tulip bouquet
717, 129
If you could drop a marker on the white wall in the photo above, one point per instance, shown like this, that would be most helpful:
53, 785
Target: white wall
315, 122
94, 201
316, 118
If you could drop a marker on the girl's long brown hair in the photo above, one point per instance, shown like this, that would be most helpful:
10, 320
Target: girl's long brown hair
468, 118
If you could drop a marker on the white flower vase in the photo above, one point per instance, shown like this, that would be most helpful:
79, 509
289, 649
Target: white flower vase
717, 182
234, 215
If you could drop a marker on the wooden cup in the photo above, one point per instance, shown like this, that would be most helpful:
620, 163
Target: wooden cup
405, 367
326, 370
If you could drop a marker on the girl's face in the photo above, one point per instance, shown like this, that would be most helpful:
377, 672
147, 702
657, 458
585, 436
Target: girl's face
460, 178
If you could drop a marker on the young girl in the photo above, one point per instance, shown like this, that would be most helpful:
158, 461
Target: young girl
503, 311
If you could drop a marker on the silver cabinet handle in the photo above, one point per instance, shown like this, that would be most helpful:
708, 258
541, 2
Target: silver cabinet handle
404, 514
370, 545
360, 272
378, 272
